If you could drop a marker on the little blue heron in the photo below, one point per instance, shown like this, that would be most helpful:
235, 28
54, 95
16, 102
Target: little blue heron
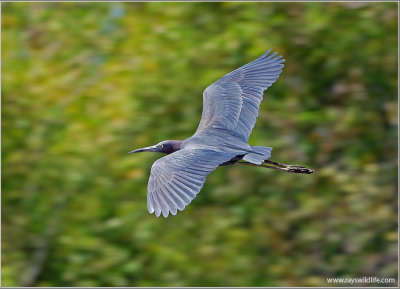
230, 109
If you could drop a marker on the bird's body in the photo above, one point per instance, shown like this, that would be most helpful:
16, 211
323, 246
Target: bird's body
230, 109
218, 140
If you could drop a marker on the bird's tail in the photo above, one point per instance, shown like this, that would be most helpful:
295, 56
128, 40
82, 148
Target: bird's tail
259, 155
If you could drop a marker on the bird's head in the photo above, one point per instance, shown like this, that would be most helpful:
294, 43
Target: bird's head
166, 147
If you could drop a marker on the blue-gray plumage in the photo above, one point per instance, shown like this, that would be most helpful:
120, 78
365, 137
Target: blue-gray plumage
230, 110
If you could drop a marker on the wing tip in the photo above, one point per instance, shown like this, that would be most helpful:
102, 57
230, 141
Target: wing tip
267, 52
164, 214
273, 56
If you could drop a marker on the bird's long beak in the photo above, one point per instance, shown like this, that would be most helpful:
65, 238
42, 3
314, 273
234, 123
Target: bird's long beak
146, 149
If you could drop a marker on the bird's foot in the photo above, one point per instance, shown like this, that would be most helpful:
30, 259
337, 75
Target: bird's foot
298, 169
291, 168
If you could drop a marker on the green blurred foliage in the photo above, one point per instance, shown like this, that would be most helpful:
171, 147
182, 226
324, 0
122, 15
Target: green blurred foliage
85, 83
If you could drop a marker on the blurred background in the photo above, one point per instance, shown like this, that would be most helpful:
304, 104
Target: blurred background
85, 83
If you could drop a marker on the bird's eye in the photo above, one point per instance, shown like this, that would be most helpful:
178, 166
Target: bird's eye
162, 146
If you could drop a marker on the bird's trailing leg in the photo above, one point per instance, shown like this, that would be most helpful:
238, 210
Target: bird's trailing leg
292, 168
281, 167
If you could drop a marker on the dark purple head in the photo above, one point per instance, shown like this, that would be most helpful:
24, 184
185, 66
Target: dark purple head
166, 147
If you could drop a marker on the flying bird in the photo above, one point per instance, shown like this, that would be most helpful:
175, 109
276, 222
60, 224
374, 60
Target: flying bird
230, 110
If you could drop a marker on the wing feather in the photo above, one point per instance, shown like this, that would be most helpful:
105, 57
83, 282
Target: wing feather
176, 179
233, 101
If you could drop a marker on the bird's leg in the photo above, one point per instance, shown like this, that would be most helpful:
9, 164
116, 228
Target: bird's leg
276, 164
282, 167
255, 165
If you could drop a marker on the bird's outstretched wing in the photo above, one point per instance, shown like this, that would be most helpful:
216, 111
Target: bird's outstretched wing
176, 179
232, 102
